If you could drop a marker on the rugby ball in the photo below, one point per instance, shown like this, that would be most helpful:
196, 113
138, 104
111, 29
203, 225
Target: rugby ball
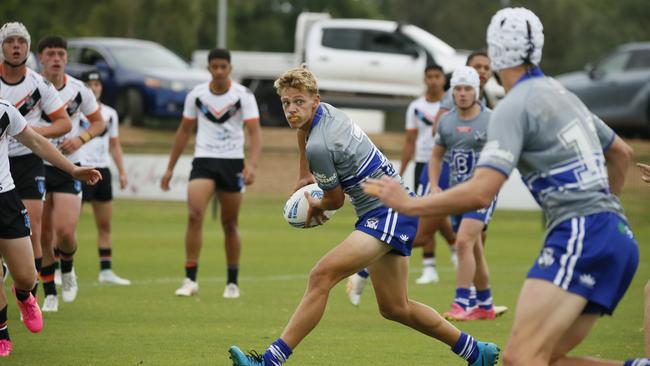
296, 208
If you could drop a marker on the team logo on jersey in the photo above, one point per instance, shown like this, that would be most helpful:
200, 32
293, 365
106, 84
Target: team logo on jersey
464, 129
218, 116
480, 135
372, 223
587, 280
546, 259
73, 105
26, 105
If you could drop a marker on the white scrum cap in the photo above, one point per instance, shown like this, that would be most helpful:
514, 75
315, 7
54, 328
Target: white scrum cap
515, 36
466, 75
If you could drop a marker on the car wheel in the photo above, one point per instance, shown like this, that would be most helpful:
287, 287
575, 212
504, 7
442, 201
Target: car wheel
130, 107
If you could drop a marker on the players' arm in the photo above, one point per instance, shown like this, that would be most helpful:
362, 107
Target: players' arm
645, 176
97, 125
473, 194
333, 199
436, 119
183, 134
254, 149
408, 149
43, 148
435, 165
304, 176
115, 148
618, 157
60, 125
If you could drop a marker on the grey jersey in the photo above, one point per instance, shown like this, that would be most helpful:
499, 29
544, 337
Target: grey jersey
340, 153
463, 140
557, 144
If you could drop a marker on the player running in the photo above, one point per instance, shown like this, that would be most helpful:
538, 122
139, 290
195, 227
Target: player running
223, 109
461, 136
340, 157
63, 198
15, 248
34, 97
575, 167
97, 153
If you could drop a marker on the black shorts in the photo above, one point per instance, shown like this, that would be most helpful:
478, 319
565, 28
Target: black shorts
28, 173
14, 220
100, 192
226, 173
58, 181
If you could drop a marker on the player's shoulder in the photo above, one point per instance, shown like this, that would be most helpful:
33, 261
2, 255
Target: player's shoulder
108, 109
200, 88
75, 83
240, 89
35, 78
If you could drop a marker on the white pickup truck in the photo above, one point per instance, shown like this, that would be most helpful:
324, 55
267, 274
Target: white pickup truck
358, 62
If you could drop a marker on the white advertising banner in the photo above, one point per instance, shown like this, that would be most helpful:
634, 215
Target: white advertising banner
145, 170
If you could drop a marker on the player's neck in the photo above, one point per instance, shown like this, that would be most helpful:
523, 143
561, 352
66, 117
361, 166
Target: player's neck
58, 80
470, 113
434, 96
12, 74
219, 87
510, 76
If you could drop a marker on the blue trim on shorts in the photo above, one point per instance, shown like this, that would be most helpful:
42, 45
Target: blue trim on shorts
593, 256
391, 227
422, 188
484, 215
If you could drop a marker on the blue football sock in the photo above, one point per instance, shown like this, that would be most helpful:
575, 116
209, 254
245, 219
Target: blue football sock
466, 348
637, 362
277, 353
462, 297
484, 299
364, 273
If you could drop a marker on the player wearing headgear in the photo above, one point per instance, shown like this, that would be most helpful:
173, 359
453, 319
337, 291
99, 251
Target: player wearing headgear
419, 142
461, 136
15, 246
97, 153
340, 156
223, 109
575, 167
33, 96
63, 192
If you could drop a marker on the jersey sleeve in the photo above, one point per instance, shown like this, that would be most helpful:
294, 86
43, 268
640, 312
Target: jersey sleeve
439, 138
410, 122
506, 132
88, 101
605, 134
113, 122
249, 106
189, 108
50, 100
447, 101
17, 122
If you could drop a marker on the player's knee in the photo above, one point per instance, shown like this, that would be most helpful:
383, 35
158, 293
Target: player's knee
104, 228
24, 280
229, 227
66, 234
463, 245
195, 216
321, 278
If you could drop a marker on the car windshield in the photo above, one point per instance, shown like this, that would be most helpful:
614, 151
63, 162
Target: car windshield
146, 57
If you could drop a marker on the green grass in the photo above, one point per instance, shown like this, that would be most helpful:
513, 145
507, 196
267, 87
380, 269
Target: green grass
145, 324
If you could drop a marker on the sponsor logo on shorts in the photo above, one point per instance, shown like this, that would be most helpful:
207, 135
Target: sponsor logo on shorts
77, 186
404, 238
26, 218
625, 230
546, 259
40, 184
372, 223
587, 280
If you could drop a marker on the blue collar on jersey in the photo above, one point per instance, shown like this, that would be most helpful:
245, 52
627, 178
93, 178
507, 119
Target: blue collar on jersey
317, 117
533, 72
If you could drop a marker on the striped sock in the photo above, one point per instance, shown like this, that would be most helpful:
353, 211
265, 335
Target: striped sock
484, 299
462, 297
47, 277
637, 362
364, 273
466, 348
277, 353
105, 258
191, 268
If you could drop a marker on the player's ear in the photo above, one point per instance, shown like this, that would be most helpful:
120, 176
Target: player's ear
317, 98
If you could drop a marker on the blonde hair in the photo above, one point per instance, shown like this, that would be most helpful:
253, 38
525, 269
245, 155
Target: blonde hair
299, 78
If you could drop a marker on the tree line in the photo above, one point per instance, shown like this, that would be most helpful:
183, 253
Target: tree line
577, 31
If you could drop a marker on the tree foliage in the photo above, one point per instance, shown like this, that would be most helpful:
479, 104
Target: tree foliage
576, 31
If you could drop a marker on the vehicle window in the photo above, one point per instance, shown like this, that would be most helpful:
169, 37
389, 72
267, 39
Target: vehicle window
342, 38
146, 56
73, 53
613, 63
89, 56
385, 42
640, 60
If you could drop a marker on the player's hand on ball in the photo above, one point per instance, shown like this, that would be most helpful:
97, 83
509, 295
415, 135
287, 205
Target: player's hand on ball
388, 190
315, 211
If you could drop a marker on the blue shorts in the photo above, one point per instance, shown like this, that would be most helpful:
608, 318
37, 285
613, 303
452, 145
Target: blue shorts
391, 227
423, 188
592, 256
484, 215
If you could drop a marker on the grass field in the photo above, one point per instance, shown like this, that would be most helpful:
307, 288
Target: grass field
145, 324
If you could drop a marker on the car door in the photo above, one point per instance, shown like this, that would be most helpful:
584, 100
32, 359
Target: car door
86, 57
391, 58
603, 95
333, 56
